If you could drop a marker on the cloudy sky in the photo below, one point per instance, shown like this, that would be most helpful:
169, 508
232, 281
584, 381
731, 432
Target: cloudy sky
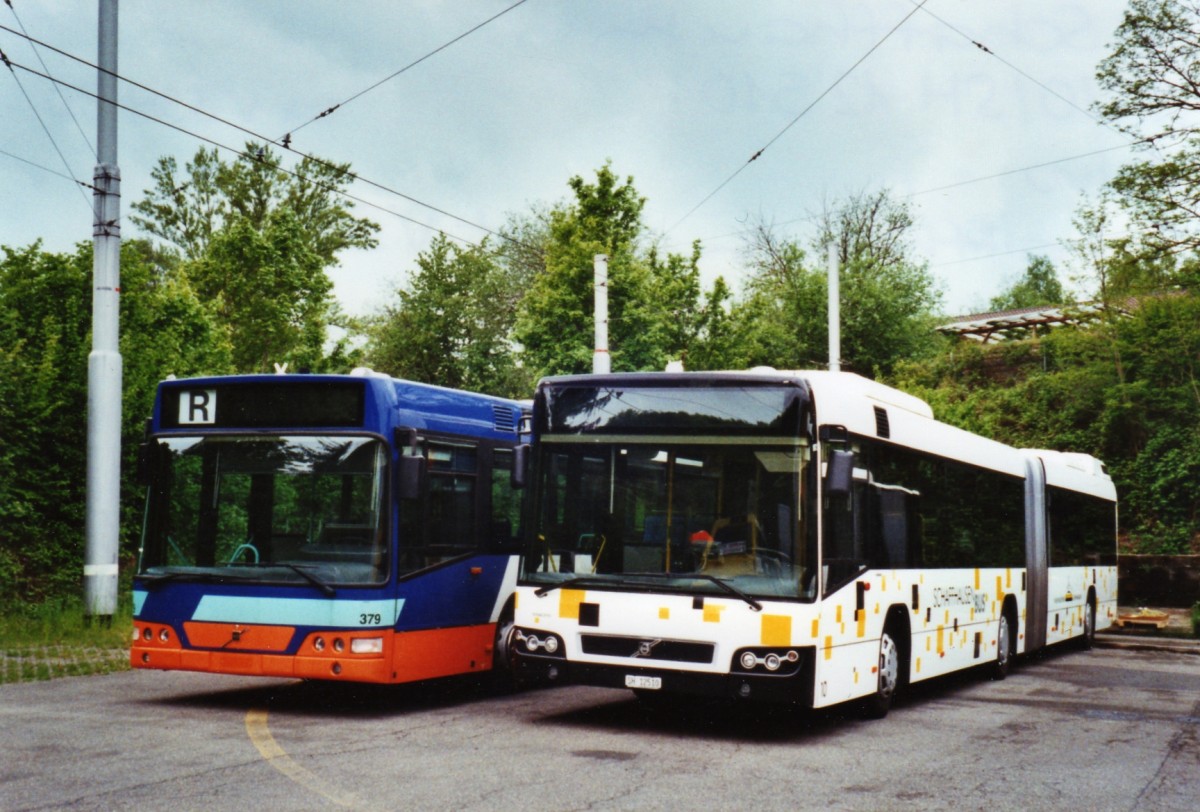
677, 93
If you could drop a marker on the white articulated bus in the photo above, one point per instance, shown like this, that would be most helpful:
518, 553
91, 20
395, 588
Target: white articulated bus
810, 537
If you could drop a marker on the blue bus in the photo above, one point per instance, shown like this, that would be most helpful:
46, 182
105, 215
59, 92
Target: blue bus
338, 527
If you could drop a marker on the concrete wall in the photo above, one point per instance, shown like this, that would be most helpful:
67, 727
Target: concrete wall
1158, 580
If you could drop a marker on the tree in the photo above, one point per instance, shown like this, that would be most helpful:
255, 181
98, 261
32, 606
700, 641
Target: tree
452, 323
654, 302
1038, 287
187, 211
256, 240
45, 321
1153, 78
269, 291
1125, 390
887, 298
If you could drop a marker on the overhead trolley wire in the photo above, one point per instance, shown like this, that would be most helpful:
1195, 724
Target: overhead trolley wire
285, 140
54, 172
259, 136
243, 153
8, 63
58, 90
1029, 168
799, 116
985, 49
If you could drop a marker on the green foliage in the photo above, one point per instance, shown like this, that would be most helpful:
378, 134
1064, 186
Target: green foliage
1039, 286
887, 299
1152, 77
1123, 390
45, 318
188, 211
54, 639
554, 324
44, 344
655, 306
269, 292
451, 325
256, 242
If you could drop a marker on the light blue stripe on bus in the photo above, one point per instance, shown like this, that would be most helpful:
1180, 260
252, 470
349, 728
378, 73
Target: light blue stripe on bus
297, 611
139, 600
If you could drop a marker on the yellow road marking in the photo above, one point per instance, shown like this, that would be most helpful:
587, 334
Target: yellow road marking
277, 757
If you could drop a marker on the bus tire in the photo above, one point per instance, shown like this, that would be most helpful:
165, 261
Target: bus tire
877, 705
1004, 648
504, 677
1088, 640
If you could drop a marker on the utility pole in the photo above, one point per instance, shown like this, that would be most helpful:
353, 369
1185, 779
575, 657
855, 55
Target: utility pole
835, 311
601, 360
104, 361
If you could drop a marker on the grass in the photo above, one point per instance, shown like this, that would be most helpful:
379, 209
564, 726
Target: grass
54, 639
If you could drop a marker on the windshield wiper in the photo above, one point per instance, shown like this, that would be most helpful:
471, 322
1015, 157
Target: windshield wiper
730, 588
725, 585
152, 581
579, 579
303, 571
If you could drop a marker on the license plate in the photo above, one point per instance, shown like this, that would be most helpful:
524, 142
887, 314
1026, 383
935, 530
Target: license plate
643, 683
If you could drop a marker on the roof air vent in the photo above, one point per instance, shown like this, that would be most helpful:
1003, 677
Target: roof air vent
505, 417
882, 426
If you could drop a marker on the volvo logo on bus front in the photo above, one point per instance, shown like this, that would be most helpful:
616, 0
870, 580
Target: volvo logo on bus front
645, 647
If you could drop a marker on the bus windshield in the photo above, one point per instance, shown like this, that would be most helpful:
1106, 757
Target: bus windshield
293, 509
698, 514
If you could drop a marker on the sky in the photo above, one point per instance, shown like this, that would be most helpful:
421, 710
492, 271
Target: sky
846, 96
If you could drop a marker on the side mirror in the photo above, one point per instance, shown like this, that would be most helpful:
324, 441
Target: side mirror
520, 467
839, 473
410, 476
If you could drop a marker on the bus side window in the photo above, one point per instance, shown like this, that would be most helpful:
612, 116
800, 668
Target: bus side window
846, 519
451, 523
506, 501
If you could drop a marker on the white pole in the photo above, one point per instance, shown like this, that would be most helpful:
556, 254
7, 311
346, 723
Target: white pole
104, 361
835, 313
601, 361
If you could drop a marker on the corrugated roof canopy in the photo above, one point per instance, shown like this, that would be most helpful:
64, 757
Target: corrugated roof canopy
1005, 325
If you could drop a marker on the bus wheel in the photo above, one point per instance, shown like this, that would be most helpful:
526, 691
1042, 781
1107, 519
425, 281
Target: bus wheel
504, 677
879, 703
1089, 626
1003, 649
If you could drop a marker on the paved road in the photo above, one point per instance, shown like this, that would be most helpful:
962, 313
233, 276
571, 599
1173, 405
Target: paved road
1107, 729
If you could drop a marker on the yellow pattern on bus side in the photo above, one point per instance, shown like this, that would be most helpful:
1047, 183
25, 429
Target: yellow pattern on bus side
712, 612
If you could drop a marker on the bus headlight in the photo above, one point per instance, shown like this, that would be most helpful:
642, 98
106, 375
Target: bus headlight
780, 662
366, 645
547, 645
